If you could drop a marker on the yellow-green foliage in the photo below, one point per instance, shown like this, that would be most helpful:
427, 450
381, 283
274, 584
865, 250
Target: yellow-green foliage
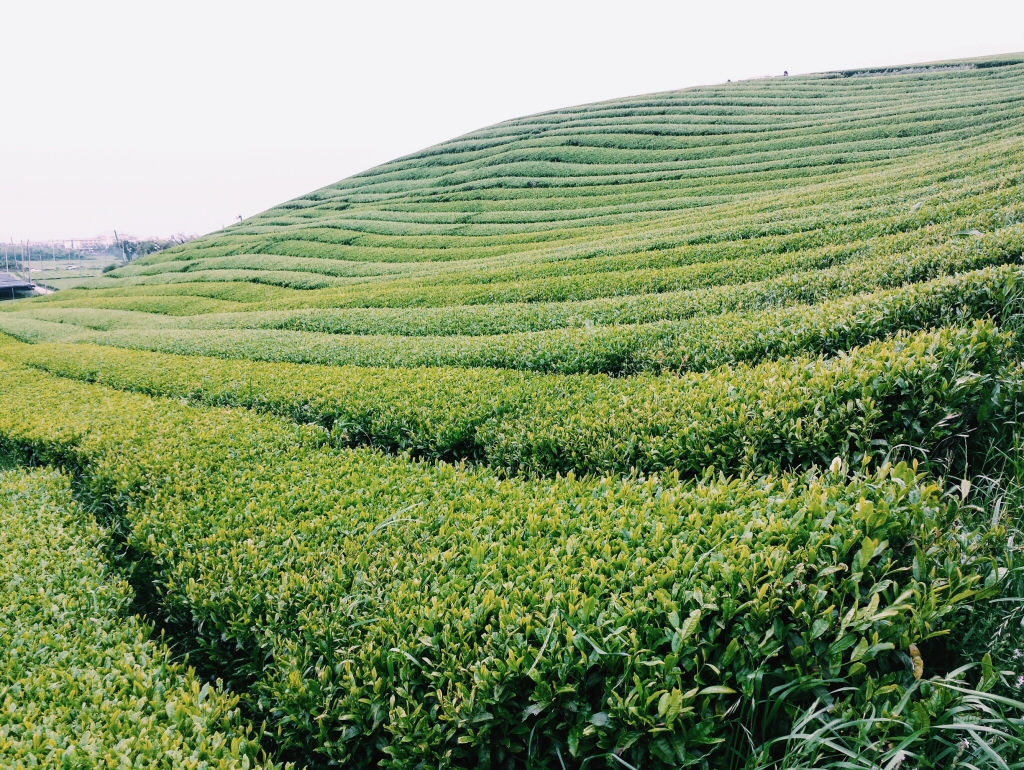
401, 612
697, 344
571, 224
915, 391
82, 685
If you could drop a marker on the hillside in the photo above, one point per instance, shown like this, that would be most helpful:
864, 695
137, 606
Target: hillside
674, 430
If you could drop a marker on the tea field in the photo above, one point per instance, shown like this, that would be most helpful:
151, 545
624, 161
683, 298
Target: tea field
680, 430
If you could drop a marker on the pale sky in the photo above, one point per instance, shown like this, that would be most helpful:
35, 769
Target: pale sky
157, 118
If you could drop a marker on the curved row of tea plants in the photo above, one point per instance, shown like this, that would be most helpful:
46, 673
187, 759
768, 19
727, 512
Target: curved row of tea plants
984, 200
82, 684
886, 271
819, 243
932, 391
586, 173
395, 613
697, 344
644, 183
689, 607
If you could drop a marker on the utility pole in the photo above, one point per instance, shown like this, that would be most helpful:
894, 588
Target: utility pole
30, 263
120, 242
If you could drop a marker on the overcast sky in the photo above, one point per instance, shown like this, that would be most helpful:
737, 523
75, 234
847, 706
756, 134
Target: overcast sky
158, 118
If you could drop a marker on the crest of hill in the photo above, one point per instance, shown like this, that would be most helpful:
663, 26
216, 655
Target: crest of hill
587, 175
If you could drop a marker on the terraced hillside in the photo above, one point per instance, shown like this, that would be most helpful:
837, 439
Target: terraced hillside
678, 430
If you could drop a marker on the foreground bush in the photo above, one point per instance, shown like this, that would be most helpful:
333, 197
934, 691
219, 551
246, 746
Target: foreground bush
81, 682
395, 612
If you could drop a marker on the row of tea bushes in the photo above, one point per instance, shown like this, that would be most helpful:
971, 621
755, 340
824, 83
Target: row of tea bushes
385, 609
82, 684
933, 393
522, 279
534, 166
982, 198
862, 275
696, 344
972, 201
877, 272
396, 612
458, 223
911, 391
589, 280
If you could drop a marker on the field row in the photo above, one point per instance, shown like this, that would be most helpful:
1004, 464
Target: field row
82, 684
857, 275
764, 170
594, 276
339, 239
895, 122
941, 225
986, 203
630, 433
986, 199
697, 344
399, 612
912, 391
907, 121
742, 103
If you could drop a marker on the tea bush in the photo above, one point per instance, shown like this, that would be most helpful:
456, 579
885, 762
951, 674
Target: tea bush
921, 391
697, 344
82, 684
878, 272
395, 612
723, 363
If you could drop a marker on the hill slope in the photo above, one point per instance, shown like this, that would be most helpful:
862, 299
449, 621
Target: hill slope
652, 195
678, 430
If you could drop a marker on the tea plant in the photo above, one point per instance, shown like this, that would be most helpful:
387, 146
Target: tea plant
82, 683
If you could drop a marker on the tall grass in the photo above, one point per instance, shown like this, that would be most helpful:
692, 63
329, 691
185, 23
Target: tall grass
970, 717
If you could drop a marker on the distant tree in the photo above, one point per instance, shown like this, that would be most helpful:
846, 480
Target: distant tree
133, 249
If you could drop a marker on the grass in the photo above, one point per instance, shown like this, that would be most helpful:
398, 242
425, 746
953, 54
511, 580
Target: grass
675, 430
974, 715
